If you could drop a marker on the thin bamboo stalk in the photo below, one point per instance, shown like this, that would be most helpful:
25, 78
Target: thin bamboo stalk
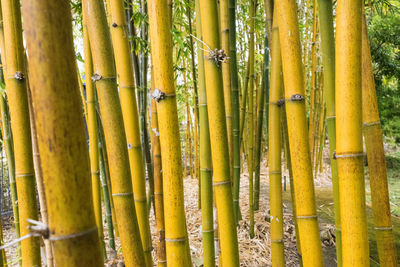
111, 114
218, 136
158, 182
328, 63
20, 126
131, 121
250, 119
205, 159
275, 148
235, 108
349, 146
91, 121
161, 49
376, 159
63, 153
226, 74
298, 136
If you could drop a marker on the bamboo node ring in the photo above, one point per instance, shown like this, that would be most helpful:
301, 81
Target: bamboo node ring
175, 239
275, 172
122, 194
97, 77
367, 124
296, 97
205, 170
222, 183
277, 241
355, 155
24, 175
307, 217
383, 228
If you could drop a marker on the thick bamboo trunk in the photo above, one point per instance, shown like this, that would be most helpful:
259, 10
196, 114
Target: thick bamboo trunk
63, 153
161, 49
275, 148
376, 159
111, 114
349, 146
218, 135
15, 75
131, 121
298, 135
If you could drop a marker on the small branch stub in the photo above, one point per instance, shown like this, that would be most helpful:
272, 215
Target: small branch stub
158, 95
96, 77
19, 76
218, 56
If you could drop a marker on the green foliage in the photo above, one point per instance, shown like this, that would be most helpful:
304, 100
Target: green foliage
384, 33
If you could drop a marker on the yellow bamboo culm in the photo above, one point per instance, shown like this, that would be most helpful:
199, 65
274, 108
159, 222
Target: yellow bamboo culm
161, 49
275, 147
376, 159
115, 139
15, 78
298, 135
218, 134
61, 134
131, 120
349, 146
91, 119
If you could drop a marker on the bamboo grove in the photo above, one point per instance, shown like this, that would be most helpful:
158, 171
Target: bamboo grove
111, 110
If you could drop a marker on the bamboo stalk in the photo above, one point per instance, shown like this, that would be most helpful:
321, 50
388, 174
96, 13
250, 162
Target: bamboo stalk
56, 102
298, 136
111, 114
218, 136
205, 159
235, 108
131, 121
349, 147
91, 119
376, 159
274, 152
20, 126
161, 49
328, 63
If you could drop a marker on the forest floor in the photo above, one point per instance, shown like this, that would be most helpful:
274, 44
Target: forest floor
256, 252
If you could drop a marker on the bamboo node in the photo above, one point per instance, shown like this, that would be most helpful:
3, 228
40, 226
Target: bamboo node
159, 95
383, 228
183, 239
19, 76
97, 77
277, 241
122, 194
368, 124
354, 155
296, 97
24, 175
83, 233
222, 183
330, 117
95, 173
279, 103
307, 217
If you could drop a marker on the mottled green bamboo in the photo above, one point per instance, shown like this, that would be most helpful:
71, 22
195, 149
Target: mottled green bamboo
111, 114
235, 108
250, 118
376, 160
15, 75
328, 63
218, 135
274, 152
244, 102
205, 159
63, 153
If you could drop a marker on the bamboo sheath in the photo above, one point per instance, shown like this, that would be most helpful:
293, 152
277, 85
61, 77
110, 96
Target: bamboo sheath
376, 159
131, 121
63, 152
15, 76
235, 108
218, 136
91, 121
298, 136
226, 75
111, 114
328, 63
274, 152
161, 47
205, 159
349, 147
